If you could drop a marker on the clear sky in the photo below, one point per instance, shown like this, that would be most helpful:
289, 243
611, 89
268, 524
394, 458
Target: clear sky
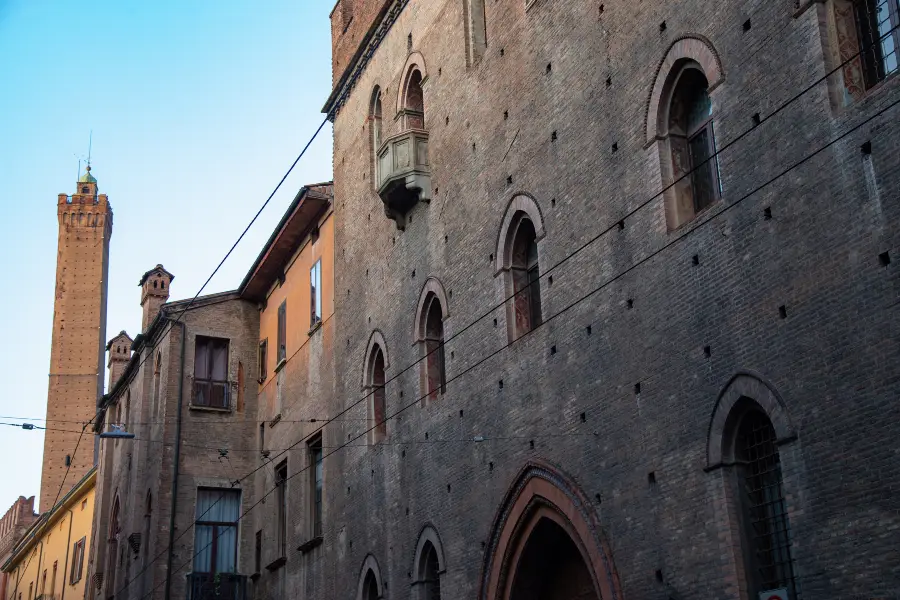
197, 107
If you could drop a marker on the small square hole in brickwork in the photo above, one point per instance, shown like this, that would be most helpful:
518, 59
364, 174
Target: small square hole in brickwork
598, 498
615, 147
505, 115
884, 259
502, 51
866, 148
446, 120
747, 25
451, 354
588, 330
426, 435
367, 272
583, 417
473, 146
756, 119
414, 273
509, 180
608, 81
495, 322
448, 488
348, 490
403, 454
553, 137
662, 26
373, 472
651, 478
409, 42
707, 351
767, 213
549, 67
621, 225
550, 280
393, 241
401, 393
460, 414
552, 201
407, 511
552, 349
629, 303
491, 467
501, 384
659, 575
695, 259
482, 545
531, 444
637, 388
782, 311
446, 238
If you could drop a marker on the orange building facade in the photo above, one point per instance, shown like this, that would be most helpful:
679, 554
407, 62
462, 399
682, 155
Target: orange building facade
292, 282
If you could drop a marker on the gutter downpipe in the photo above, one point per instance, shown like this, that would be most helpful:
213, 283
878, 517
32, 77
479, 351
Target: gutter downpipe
174, 506
66, 562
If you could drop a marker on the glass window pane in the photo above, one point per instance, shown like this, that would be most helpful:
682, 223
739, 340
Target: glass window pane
201, 359
703, 178
226, 547
203, 536
219, 360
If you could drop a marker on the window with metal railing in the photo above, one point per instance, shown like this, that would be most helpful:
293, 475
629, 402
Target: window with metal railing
878, 24
766, 526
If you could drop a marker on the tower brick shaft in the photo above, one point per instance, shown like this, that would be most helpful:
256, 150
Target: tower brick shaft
79, 336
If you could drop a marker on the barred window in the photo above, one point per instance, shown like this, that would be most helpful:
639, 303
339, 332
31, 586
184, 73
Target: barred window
766, 525
878, 25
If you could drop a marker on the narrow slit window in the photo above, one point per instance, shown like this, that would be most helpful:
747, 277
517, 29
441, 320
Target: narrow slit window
315, 294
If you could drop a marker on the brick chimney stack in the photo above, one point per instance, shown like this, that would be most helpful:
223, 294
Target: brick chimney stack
119, 349
154, 293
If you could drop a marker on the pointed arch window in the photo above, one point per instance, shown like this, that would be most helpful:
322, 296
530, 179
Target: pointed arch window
431, 336
370, 587
692, 143
525, 277
414, 100
377, 398
476, 30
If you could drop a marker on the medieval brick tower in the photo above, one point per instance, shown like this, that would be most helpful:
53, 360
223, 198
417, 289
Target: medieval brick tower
79, 335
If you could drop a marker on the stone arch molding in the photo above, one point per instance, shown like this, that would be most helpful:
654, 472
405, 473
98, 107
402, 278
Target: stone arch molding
521, 202
542, 491
369, 564
433, 286
428, 535
689, 48
376, 337
742, 386
414, 60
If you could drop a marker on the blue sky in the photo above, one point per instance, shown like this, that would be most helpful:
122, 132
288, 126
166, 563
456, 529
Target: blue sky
197, 109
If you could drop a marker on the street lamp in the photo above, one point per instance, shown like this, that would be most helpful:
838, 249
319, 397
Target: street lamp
117, 433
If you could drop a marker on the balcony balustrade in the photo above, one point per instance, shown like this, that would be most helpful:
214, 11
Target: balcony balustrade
217, 586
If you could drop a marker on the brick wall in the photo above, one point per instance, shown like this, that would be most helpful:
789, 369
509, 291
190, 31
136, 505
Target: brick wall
831, 359
79, 337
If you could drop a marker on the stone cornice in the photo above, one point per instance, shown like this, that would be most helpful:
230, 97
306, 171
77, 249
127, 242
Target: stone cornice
360, 60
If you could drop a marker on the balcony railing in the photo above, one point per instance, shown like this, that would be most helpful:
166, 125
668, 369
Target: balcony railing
404, 175
217, 586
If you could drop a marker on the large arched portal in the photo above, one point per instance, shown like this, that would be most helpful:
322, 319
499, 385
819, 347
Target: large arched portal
551, 567
546, 543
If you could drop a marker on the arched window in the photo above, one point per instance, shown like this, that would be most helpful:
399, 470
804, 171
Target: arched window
767, 532
436, 378
375, 117
377, 399
112, 549
692, 142
370, 587
429, 565
414, 100
525, 277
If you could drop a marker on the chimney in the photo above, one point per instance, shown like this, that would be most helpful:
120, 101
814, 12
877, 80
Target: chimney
119, 349
154, 293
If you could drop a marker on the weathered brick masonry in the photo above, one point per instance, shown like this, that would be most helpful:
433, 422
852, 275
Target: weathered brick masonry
621, 407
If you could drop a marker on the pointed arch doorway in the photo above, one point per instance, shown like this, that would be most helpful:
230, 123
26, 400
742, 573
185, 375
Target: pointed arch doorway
546, 543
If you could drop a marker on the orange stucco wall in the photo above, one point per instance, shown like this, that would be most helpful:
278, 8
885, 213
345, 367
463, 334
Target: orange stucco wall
296, 290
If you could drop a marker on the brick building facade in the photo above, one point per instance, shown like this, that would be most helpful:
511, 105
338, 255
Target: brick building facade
656, 356
79, 332
17, 519
186, 389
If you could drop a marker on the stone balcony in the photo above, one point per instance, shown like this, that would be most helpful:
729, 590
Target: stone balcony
404, 175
